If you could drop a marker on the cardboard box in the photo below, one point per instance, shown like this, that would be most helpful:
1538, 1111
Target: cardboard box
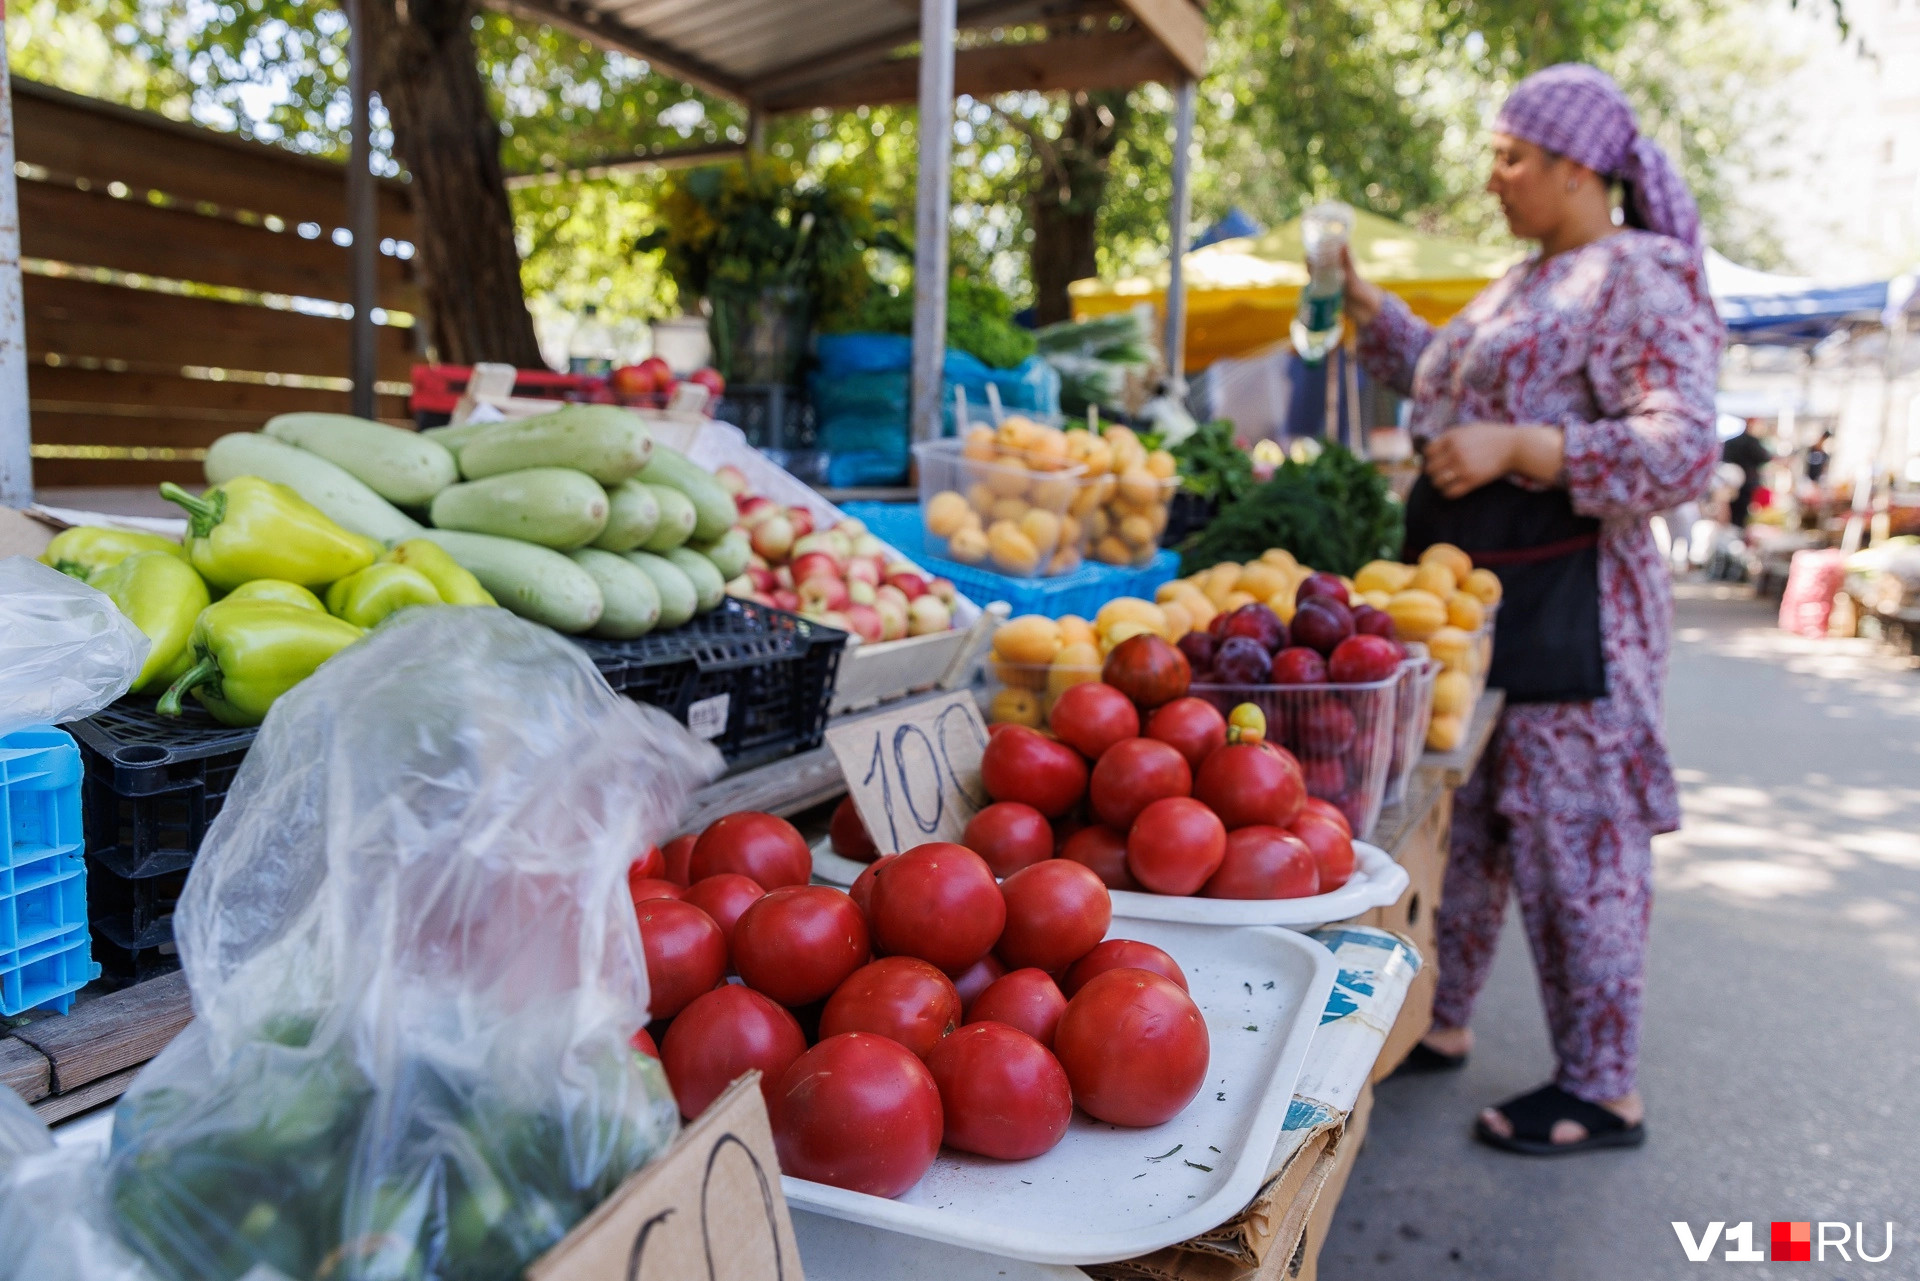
711, 1208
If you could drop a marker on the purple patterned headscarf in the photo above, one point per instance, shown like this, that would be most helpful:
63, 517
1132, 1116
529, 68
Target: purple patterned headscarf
1579, 112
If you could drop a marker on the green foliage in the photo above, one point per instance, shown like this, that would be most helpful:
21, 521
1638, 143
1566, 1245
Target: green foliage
1212, 464
1334, 513
979, 320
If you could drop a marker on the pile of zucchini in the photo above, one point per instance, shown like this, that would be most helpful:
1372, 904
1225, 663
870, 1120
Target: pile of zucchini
577, 519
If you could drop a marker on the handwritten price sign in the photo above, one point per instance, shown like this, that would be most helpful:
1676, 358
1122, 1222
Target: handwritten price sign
915, 774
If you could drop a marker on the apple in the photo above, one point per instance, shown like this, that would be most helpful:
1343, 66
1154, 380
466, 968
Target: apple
852, 526
909, 582
753, 509
864, 571
893, 617
814, 565
731, 478
841, 543
821, 593
786, 598
742, 586
631, 380
802, 520
866, 622
783, 577
927, 615
755, 559
860, 592
832, 618
864, 544
763, 578
888, 592
658, 370
819, 544
710, 378
945, 590
772, 537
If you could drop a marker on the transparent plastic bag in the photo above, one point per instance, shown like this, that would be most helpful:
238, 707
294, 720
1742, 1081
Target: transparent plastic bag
53, 1219
65, 651
415, 970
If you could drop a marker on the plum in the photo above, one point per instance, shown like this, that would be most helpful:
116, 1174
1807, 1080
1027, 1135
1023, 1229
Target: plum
1321, 586
1321, 624
1360, 659
1241, 660
1324, 728
1260, 623
1299, 666
1199, 648
1368, 621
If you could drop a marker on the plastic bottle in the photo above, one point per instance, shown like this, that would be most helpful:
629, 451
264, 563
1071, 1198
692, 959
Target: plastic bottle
591, 349
1316, 325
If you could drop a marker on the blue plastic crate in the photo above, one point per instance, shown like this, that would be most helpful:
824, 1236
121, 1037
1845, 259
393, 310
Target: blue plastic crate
1082, 592
45, 947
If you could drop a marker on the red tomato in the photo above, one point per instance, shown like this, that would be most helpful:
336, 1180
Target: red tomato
1024, 765
676, 852
899, 997
686, 954
1147, 670
1134, 1046
938, 902
724, 1034
765, 849
862, 888
1248, 784
724, 898
1133, 775
1264, 862
1175, 845
1191, 726
1056, 912
859, 1112
848, 833
799, 943
1002, 1093
1105, 851
977, 978
1122, 954
1327, 810
650, 866
1027, 999
642, 1040
1009, 836
641, 891
1332, 849
1092, 717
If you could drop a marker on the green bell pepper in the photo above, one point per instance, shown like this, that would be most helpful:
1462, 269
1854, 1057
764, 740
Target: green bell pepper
367, 597
162, 596
277, 589
456, 585
252, 528
247, 653
85, 551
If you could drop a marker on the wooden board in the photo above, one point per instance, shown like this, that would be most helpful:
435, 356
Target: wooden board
24, 1069
143, 473
69, 389
93, 229
78, 318
58, 1107
80, 137
118, 1031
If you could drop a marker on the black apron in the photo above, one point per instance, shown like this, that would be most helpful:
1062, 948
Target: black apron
1546, 636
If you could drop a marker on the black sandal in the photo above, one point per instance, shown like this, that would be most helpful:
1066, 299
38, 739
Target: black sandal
1534, 1115
1423, 1059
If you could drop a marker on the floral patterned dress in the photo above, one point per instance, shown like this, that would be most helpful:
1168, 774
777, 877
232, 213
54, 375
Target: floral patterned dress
1618, 344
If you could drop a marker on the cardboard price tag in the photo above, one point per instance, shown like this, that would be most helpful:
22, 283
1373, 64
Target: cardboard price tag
915, 773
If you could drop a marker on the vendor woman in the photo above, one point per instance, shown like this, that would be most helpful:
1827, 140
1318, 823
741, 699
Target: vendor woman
1565, 405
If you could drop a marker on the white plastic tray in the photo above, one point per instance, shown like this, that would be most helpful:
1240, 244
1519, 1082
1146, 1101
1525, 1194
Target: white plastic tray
1377, 881
1107, 1192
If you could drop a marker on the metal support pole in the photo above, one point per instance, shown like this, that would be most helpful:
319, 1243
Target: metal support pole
1176, 334
16, 458
361, 221
932, 213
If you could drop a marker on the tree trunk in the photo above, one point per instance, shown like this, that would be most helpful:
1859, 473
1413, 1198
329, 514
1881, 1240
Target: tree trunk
425, 72
1064, 208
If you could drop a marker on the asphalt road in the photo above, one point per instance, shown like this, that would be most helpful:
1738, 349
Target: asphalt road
1781, 1056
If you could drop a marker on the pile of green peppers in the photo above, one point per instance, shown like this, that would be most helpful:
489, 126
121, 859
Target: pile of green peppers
264, 552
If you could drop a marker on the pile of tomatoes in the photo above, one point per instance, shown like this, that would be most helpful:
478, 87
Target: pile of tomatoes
929, 1004
1153, 790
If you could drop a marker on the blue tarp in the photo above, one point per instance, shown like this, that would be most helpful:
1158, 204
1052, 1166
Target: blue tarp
1805, 316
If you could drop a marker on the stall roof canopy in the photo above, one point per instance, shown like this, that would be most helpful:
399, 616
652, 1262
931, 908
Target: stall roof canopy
1242, 293
793, 55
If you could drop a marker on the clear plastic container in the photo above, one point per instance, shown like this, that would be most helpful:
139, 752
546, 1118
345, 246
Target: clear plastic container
1343, 735
1125, 522
1413, 711
1023, 693
1001, 515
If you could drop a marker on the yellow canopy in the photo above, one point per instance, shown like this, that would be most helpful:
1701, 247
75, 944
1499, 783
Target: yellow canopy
1242, 293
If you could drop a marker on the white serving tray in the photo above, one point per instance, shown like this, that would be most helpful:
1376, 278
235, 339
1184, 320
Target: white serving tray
1377, 881
1107, 1192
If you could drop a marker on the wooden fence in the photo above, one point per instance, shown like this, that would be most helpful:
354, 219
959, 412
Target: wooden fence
181, 284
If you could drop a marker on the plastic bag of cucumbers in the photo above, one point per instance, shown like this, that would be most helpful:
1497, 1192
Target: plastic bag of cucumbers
415, 971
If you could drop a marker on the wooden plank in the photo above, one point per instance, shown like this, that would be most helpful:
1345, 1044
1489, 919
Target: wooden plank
1108, 60
119, 1031
610, 33
63, 473
58, 1107
69, 389
24, 1069
92, 229
84, 138
1180, 28
868, 49
78, 318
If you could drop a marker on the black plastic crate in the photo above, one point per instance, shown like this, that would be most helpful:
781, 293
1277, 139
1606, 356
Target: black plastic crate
132, 921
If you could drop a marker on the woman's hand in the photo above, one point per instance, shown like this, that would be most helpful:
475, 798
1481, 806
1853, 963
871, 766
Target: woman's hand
1363, 297
1463, 458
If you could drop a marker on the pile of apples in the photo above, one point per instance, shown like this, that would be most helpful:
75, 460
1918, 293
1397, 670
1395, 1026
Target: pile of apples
841, 576
652, 382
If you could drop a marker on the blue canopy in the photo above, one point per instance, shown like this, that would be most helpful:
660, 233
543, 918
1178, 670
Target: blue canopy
1803, 316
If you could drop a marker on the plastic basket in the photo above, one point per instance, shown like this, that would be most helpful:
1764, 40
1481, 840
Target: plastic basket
1343, 735
1412, 709
1021, 521
1023, 693
45, 955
